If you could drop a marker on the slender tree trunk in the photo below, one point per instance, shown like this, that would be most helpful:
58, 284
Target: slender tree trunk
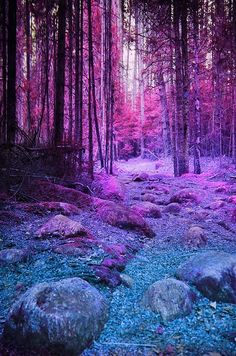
141, 78
218, 76
79, 42
90, 121
28, 65
81, 69
182, 86
60, 75
165, 113
11, 83
184, 161
234, 83
47, 69
90, 35
70, 69
4, 71
197, 104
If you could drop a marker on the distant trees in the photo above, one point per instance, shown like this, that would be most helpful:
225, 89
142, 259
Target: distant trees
120, 78
187, 48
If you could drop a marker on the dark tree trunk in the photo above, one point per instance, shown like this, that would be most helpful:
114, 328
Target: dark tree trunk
90, 35
28, 62
70, 69
182, 86
197, 105
11, 83
4, 72
60, 75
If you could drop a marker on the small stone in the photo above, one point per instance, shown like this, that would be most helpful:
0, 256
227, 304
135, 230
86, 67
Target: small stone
126, 280
172, 208
195, 237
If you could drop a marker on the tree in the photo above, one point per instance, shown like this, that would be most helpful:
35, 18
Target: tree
60, 75
11, 76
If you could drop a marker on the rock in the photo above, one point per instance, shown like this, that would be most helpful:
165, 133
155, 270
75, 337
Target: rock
195, 237
108, 187
115, 263
149, 197
7, 217
158, 189
126, 280
50, 206
201, 215
122, 217
172, 208
185, 196
141, 177
233, 216
232, 199
47, 191
215, 205
169, 297
147, 209
213, 273
221, 189
13, 255
61, 226
64, 316
80, 247
107, 276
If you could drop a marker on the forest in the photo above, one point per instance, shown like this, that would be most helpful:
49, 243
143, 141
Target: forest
118, 177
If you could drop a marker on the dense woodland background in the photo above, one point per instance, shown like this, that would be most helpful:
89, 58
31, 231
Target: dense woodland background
89, 80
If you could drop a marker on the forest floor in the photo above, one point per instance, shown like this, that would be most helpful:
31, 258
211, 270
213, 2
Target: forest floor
132, 329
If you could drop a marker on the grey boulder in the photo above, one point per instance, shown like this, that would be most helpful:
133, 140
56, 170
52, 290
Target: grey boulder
64, 316
169, 297
13, 255
213, 273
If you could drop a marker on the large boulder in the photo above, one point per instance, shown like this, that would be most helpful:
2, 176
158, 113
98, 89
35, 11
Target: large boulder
13, 255
64, 316
122, 217
108, 187
195, 237
147, 209
61, 226
48, 191
169, 297
50, 206
185, 196
213, 273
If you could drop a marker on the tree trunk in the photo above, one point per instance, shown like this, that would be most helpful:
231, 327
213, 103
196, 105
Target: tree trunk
197, 103
11, 83
165, 113
4, 72
28, 65
182, 83
218, 114
234, 83
70, 70
60, 75
90, 35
